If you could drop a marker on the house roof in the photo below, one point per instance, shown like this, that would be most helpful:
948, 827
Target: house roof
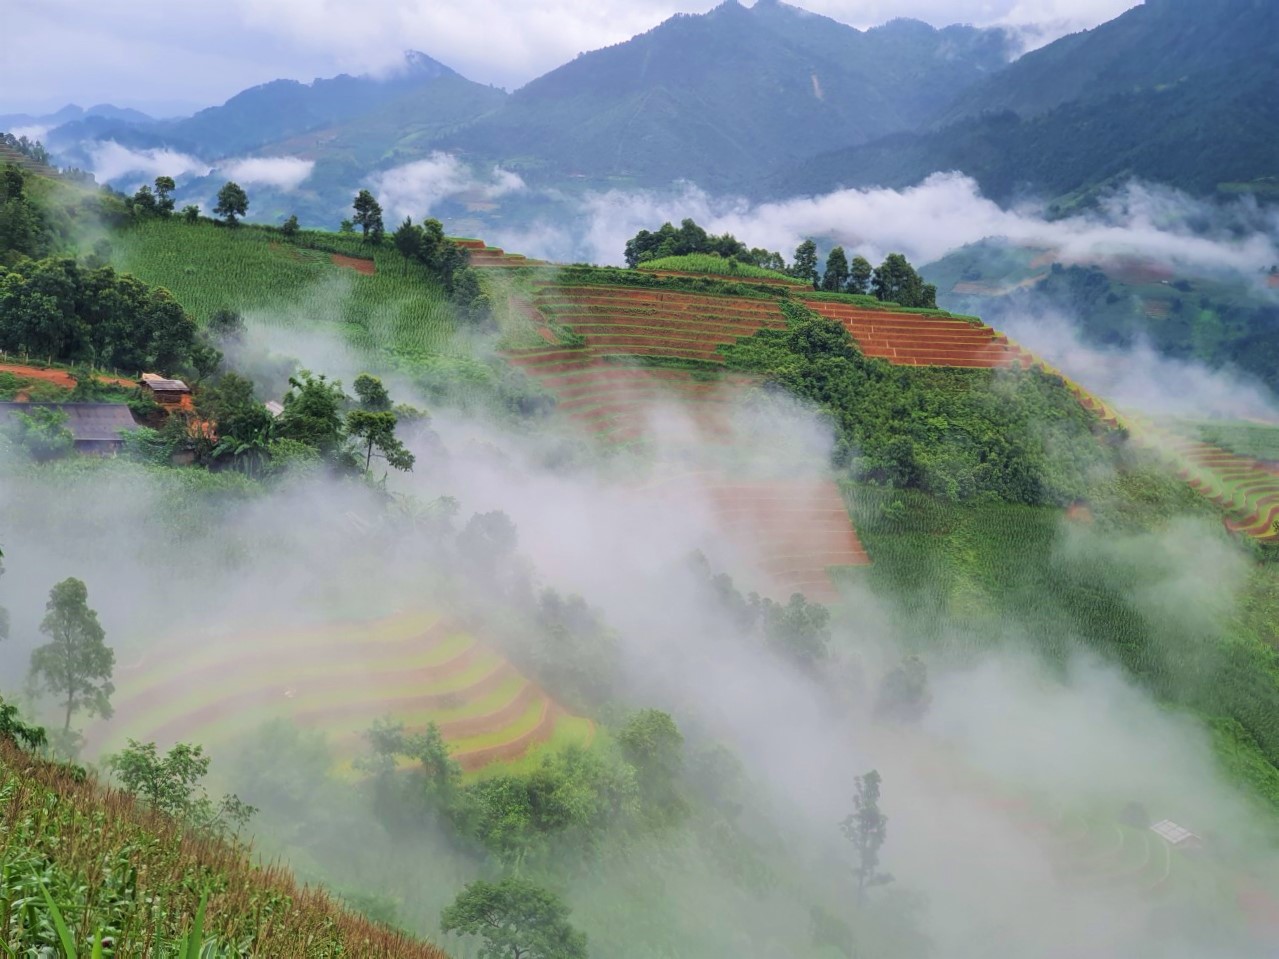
160, 385
1172, 832
88, 422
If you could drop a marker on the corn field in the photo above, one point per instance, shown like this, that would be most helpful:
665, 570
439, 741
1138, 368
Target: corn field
274, 282
86, 871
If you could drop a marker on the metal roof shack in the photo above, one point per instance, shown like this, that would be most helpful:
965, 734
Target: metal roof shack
164, 390
96, 427
1176, 835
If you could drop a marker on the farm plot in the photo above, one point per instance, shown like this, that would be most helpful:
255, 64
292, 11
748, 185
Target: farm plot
485, 257
797, 530
339, 679
1247, 489
367, 295
911, 339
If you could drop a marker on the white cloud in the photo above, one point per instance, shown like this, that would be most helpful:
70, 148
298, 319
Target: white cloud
110, 161
285, 173
927, 221
413, 189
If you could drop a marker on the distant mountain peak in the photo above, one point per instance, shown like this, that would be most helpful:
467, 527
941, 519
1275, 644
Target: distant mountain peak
419, 64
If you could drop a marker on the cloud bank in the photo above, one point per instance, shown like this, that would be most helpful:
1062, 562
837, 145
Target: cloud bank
927, 221
413, 189
284, 173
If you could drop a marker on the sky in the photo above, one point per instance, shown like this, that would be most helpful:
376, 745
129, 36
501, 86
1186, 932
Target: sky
172, 58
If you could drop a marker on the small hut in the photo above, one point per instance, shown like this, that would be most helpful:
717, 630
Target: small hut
1176, 836
96, 427
164, 391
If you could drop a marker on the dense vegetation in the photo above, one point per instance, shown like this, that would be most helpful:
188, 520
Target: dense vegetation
960, 434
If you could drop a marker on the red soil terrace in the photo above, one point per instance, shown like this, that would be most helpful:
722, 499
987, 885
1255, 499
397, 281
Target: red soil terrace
358, 264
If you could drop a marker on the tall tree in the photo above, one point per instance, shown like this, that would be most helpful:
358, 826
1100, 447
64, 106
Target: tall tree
232, 202
368, 215
516, 919
313, 412
76, 665
866, 828
897, 282
408, 241
860, 274
805, 265
164, 187
373, 425
836, 274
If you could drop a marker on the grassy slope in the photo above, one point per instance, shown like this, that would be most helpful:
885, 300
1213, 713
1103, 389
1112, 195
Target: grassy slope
976, 576
251, 269
114, 869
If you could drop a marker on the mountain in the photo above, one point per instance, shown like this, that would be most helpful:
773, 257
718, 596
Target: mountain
1156, 45
722, 97
71, 113
282, 110
1214, 126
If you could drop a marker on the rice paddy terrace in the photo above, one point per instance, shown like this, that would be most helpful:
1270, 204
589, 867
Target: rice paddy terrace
799, 528
1245, 488
416, 668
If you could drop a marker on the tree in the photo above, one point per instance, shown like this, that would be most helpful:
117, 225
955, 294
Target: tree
289, 228
232, 202
42, 432
368, 214
144, 201
191, 213
653, 744
408, 241
516, 919
866, 828
376, 433
346, 226
372, 394
373, 425
226, 326
805, 265
172, 785
313, 412
860, 274
897, 282
14, 730
164, 187
903, 692
242, 424
77, 664
836, 274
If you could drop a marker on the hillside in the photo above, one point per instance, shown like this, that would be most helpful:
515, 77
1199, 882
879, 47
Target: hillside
620, 583
120, 875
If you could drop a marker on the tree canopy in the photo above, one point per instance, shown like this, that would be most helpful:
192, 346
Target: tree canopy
516, 919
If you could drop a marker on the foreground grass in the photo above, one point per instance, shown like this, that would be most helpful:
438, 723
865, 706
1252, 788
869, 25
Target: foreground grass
115, 873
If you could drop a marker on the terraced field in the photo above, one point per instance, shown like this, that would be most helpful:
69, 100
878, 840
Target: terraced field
416, 668
911, 339
485, 257
1247, 489
799, 529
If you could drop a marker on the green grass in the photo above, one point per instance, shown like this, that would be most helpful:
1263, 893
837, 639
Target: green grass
976, 576
710, 263
292, 285
1257, 440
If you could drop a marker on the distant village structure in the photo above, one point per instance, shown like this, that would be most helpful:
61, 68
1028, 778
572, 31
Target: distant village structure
164, 391
97, 428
